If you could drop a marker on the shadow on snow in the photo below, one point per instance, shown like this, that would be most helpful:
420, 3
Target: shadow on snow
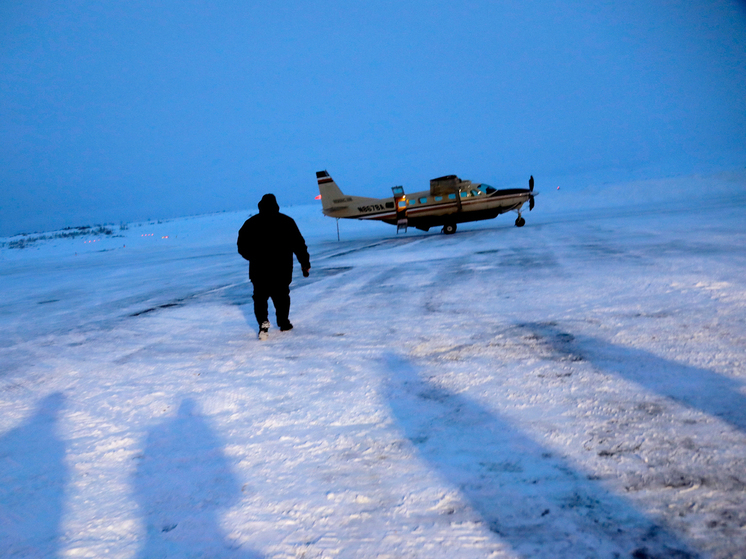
533, 500
182, 484
33, 476
697, 388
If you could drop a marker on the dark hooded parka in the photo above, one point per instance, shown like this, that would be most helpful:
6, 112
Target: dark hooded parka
268, 241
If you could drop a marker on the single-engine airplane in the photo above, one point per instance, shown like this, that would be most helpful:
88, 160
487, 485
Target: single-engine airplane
449, 201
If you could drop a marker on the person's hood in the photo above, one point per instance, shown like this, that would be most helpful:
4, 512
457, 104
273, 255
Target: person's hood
268, 204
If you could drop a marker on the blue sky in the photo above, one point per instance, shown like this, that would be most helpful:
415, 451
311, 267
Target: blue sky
125, 111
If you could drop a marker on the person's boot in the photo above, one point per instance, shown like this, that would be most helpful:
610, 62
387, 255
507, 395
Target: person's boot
264, 330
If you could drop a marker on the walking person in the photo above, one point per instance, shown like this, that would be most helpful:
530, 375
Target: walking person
268, 241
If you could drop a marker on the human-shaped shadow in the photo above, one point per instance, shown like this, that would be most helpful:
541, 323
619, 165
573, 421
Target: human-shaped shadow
33, 476
697, 388
182, 483
533, 499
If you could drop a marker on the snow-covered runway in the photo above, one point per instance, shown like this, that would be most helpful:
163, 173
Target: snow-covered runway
575, 388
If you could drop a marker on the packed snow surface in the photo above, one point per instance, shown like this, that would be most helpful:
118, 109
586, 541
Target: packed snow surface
573, 388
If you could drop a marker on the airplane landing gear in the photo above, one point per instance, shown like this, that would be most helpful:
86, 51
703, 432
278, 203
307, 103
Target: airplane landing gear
449, 228
520, 222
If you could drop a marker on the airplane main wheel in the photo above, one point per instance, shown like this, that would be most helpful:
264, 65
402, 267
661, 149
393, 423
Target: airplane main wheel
449, 228
520, 222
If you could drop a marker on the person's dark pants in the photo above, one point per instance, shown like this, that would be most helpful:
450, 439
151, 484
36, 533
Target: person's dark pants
280, 295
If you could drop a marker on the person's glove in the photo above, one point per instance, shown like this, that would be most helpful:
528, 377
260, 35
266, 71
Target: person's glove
306, 272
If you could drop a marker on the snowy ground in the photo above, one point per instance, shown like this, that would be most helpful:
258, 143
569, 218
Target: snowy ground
575, 388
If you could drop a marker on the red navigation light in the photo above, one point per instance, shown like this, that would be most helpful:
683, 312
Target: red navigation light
318, 197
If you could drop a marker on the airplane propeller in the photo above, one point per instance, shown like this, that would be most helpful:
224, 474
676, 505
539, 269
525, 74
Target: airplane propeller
531, 196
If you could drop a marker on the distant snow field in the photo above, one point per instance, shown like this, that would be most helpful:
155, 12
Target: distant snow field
574, 388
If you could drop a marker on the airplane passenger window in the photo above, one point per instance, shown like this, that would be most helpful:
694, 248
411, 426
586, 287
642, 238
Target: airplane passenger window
423, 200
464, 194
438, 198
402, 203
452, 196
389, 205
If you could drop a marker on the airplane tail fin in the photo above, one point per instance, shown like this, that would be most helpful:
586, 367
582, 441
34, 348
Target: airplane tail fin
331, 195
337, 204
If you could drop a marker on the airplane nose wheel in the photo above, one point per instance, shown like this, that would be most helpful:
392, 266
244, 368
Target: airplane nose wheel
449, 228
520, 222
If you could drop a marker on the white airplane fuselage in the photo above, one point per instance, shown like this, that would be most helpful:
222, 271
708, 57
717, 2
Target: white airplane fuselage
448, 202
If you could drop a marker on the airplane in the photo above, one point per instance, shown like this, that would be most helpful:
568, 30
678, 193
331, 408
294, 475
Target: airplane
449, 201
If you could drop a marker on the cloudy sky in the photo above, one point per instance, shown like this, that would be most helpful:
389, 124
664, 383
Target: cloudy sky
154, 109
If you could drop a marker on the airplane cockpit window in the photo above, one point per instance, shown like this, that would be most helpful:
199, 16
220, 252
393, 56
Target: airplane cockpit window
475, 193
487, 188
